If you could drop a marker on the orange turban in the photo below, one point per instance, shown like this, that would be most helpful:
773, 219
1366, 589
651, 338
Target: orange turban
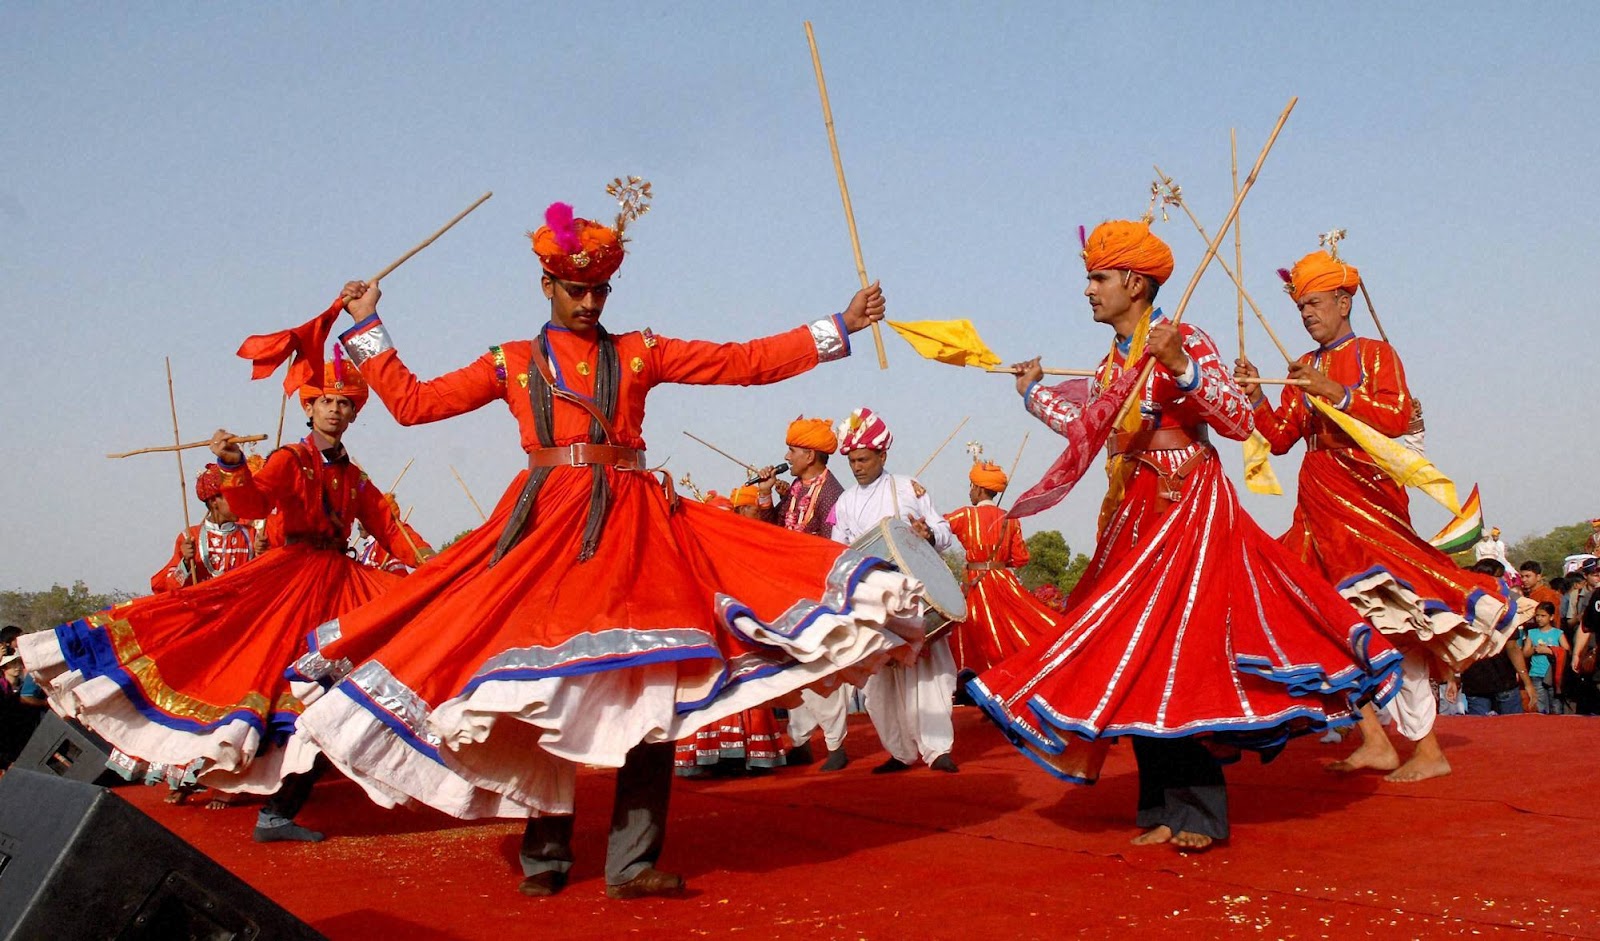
1320, 271
209, 483
576, 249
814, 433
717, 501
744, 496
339, 377
1127, 246
988, 476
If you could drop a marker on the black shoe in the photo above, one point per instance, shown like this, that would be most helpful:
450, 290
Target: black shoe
837, 760
891, 766
651, 882
800, 755
286, 833
543, 884
963, 696
944, 763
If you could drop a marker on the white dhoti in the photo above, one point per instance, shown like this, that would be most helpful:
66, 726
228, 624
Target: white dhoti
1415, 707
821, 712
910, 705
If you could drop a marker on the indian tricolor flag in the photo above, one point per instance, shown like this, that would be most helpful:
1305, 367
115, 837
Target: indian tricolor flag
1463, 531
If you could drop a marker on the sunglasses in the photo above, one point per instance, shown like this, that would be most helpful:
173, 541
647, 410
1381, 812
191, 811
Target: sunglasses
578, 291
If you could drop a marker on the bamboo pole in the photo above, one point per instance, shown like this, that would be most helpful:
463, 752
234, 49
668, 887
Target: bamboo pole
940, 447
429, 240
283, 406
844, 190
1238, 241
1238, 285
481, 515
1262, 381
177, 449
1373, 311
1211, 252
396, 485
749, 467
405, 533
407, 517
1008, 371
1015, 461
235, 439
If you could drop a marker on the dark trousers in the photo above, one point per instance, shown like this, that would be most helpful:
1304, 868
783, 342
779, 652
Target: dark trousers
638, 821
292, 794
1180, 786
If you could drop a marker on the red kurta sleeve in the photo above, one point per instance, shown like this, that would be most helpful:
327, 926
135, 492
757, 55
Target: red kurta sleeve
378, 518
170, 578
1217, 398
1017, 554
757, 362
412, 401
253, 495
1286, 424
1382, 400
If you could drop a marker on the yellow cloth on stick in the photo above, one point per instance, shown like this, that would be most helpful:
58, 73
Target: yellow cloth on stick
1258, 474
949, 341
1406, 466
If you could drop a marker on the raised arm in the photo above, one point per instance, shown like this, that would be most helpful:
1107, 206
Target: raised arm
252, 495
1201, 379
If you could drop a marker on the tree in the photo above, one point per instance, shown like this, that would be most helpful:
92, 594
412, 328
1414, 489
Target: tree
40, 610
456, 538
1551, 548
1052, 562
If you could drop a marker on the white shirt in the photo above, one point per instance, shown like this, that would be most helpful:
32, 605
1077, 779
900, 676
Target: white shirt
1491, 548
861, 508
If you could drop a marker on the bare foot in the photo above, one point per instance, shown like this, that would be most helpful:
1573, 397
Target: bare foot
1375, 752
1153, 836
1192, 842
1420, 768
219, 803
178, 796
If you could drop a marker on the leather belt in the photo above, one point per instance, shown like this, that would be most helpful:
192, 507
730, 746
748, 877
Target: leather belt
984, 566
1156, 439
1329, 441
315, 541
584, 453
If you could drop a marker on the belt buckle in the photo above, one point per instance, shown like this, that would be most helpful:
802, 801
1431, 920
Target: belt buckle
574, 455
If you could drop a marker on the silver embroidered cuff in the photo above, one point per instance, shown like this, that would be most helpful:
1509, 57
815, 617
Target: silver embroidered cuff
831, 342
367, 343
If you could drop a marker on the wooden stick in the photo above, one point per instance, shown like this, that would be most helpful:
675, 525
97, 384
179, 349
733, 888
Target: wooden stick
939, 448
177, 448
406, 533
1137, 391
481, 515
844, 191
429, 240
1238, 246
1008, 371
1238, 285
1373, 311
749, 467
283, 406
1014, 462
407, 517
236, 439
1261, 381
396, 485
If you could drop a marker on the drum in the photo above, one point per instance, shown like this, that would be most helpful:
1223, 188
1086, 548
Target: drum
894, 541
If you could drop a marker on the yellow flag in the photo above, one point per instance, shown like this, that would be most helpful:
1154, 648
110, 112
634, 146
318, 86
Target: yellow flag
1406, 466
949, 341
1258, 475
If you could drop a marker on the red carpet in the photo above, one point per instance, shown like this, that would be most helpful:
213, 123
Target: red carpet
1505, 846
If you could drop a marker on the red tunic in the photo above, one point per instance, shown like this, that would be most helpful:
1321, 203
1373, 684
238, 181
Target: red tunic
197, 675
476, 687
1189, 619
1352, 521
218, 550
1002, 616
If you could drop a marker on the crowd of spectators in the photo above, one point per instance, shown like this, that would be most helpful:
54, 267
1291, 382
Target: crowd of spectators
22, 703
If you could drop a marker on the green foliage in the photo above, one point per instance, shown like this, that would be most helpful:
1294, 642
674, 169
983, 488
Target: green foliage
39, 610
1552, 547
1052, 562
456, 538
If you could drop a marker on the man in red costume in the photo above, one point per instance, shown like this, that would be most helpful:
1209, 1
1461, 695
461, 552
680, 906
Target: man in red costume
1352, 521
1002, 616
806, 506
1190, 621
595, 617
217, 544
196, 675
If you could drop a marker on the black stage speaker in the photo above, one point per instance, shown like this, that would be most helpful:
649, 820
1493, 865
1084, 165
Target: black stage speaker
64, 749
79, 862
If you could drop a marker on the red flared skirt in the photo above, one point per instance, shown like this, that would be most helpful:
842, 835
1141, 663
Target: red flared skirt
1003, 618
1190, 620
751, 739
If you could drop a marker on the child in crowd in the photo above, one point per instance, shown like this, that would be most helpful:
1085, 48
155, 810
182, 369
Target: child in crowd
1540, 646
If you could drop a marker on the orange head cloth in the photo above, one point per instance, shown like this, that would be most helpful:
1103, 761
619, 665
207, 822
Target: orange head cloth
1320, 271
339, 377
814, 433
717, 501
575, 249
988, 476
743, 496
209, 483
1120, 245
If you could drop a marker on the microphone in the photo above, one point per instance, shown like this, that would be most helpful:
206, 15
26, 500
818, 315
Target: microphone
780, 468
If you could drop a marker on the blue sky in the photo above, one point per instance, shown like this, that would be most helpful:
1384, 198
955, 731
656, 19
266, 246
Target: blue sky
177, 177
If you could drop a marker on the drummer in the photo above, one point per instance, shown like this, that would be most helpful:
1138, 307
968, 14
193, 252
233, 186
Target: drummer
909, 703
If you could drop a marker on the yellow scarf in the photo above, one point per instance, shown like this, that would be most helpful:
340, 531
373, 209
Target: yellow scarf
1119, 467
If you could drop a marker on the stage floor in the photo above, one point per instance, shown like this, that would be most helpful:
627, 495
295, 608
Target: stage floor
1505, 846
